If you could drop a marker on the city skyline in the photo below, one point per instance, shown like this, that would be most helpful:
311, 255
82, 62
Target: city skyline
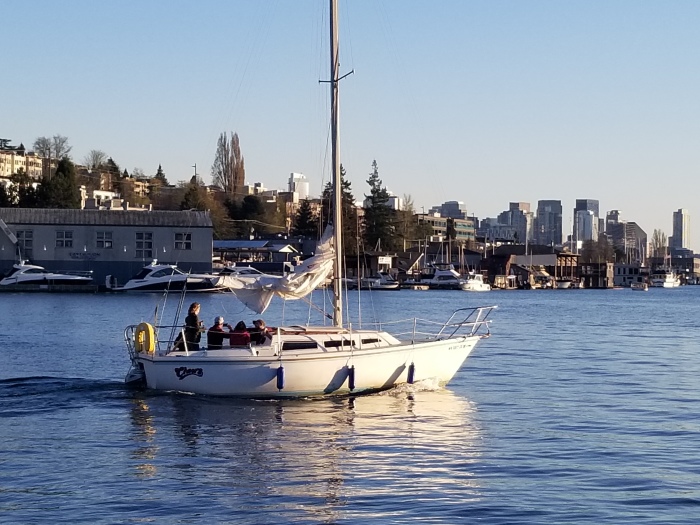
479, 102
548, 215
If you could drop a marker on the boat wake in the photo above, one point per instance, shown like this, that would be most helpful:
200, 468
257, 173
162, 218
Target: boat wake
44, 394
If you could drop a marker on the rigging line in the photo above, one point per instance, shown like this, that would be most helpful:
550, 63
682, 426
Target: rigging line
258, 33
255, 221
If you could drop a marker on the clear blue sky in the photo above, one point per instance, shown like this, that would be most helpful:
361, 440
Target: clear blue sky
485, 102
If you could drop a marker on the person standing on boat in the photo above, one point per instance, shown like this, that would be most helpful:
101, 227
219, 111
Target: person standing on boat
216, 334
193, 327
240, 335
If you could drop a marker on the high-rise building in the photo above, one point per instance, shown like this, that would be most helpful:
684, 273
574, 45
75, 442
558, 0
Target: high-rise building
586, 226
548, 222
626, 237
586, 205
681, 223
299, 184
520, 218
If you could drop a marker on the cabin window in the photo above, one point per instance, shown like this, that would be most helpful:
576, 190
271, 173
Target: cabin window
25, 243
367, 341
336, 344
64, 239
299, 345
144, 245
104, 240
183, 241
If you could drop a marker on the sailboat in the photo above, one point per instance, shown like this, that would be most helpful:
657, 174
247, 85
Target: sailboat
308, 361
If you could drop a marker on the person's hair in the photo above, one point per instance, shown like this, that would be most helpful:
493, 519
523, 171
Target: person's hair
240, 326
259, 322
193, 307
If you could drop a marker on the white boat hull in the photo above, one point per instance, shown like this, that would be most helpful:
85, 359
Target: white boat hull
476, 287
236, 372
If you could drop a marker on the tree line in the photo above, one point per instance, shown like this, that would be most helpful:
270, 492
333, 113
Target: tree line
379, 227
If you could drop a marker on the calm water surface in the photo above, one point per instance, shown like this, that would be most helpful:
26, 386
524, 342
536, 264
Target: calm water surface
582, 408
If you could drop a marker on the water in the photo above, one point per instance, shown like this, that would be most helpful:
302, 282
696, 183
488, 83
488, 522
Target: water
582, 408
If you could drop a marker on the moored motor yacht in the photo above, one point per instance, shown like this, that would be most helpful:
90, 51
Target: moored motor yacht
381, 281
24, 273
664, 278
160, 277
475, 283
445, 277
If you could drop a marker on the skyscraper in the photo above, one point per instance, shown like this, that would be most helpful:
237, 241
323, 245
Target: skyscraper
548, 222
681, 223
586, 205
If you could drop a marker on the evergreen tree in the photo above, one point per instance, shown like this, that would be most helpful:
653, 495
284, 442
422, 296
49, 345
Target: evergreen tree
4, 197
160, 176
61, 190
21, 193
379, 217
305, 222
195, 197
349, 213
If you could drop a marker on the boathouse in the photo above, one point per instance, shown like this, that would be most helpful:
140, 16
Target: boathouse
106, 242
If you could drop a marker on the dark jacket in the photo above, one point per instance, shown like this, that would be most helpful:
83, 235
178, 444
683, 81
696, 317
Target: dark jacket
192, 333
215, 337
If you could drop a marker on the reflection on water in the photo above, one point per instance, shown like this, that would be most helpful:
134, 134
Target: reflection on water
144, 437
313, 456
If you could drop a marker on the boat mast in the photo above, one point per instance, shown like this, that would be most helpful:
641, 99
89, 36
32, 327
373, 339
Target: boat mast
337, 183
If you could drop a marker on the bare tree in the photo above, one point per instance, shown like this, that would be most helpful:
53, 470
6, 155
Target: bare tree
55, 147
42, 147
228, 170
659, 242
94, 159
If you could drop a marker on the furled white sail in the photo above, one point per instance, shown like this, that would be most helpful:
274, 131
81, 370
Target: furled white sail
256, 293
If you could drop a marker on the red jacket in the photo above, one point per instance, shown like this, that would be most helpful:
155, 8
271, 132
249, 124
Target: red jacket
240, 338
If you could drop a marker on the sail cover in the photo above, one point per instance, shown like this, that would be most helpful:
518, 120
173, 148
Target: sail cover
256, 293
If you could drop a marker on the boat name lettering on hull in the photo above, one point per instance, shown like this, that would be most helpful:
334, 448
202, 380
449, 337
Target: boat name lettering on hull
182, 372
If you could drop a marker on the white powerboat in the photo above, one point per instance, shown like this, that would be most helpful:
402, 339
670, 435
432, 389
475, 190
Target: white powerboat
640, 287
381, 281
475, 283
301, 361
160, 277
664, 278
563, 284
24, 273
445, 278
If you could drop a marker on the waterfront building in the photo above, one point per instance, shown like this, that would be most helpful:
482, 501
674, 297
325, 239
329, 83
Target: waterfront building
106, 242
548, 224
